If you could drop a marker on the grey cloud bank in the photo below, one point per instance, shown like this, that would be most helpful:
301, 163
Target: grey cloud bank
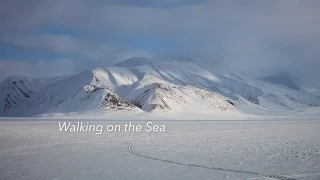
257, 37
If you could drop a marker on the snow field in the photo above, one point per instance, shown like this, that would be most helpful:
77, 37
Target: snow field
187, 150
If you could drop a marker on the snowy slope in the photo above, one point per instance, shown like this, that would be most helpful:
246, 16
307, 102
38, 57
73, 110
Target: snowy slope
161, 97
295, 92
86, 91
17, 89
141, 84
221, 79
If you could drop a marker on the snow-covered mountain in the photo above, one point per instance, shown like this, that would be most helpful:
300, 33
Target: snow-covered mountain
164, 97
83, 92
283, 78
140, 84
15, 90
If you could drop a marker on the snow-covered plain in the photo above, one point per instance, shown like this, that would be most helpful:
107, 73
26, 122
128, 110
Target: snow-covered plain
226, 149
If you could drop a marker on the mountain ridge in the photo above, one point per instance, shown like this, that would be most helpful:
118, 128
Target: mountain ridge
143, 85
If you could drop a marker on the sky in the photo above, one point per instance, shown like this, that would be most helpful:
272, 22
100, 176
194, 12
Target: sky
63, 37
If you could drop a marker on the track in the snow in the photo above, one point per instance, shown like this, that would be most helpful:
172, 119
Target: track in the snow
131, 150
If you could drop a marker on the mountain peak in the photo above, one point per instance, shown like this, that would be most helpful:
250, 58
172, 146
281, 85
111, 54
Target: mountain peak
177, 58
134, 61
283, 78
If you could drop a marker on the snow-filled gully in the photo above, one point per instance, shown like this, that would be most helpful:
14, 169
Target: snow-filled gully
133, 152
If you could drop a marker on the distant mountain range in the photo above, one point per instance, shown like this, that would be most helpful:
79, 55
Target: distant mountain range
140, 84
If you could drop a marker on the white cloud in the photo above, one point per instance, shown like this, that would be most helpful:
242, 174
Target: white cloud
65, 44
247, 34
37, 68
